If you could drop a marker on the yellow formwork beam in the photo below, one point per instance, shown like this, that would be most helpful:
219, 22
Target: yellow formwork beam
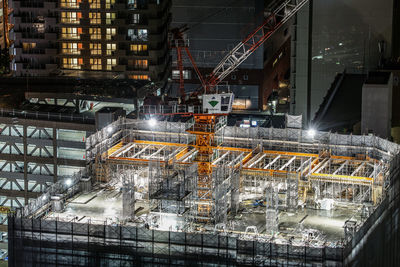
158, 143
249, 155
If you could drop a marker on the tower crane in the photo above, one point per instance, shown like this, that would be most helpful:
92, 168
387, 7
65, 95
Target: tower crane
215, 106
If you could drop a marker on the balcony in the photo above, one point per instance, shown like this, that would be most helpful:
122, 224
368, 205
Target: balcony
34, 51
29, 66
32, 35
137, 68
30, 4
138, 53
137, 6
143, 38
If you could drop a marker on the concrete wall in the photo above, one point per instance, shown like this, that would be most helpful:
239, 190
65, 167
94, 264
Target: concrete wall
376, 109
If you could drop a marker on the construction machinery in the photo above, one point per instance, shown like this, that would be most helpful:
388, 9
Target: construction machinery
207, 117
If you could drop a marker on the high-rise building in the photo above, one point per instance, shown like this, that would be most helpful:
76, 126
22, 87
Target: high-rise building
332, 36
215, 28
6, 29
110, 38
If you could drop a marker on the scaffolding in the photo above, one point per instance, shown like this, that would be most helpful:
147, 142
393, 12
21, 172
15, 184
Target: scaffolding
232, 162
159, 166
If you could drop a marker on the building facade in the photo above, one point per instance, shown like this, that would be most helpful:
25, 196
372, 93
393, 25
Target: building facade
355, 36
109, 38
38, 149
215, 28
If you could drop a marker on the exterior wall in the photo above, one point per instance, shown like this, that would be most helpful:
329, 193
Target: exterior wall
216, 27
36, 153
46, 24
396, 99
376, 109
345, 36
274, 71
2, 24
52, 243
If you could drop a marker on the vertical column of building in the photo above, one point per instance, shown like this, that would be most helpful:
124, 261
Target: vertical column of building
70, 36
147, 51
6, 32
35, 37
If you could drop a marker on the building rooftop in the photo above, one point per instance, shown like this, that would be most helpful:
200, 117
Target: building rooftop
292, 188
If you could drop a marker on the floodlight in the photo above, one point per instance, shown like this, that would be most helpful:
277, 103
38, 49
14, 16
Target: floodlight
311, 132
152, 122
68, 182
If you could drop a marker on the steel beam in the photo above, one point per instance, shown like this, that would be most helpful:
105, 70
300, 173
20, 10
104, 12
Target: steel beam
272, 162
287, 163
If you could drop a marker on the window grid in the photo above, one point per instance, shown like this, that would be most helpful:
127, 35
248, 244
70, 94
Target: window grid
110, 32
95, 33
71, 33
110, 17
70, 3
94, 4
71, 48
109, 3
95, 64
95, 48
72, 63
95, 17
111, 62
111, 48
71, 17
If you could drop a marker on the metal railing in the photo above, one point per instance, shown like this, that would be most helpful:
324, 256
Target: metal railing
51, 116
169, 109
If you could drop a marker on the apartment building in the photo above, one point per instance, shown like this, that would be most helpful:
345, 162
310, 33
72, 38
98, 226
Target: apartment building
90, 38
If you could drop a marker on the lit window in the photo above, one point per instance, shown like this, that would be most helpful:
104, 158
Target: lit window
139, 77
94, 4
95, 33
111, 48
138, 34
109, 3
72, 63
71, 33
132, 3
71, 17
139, 49
71, 48
95, 49
95, 64
70, 3
111, 62
28, 46
110, 32
135, 18
141, 63
110, 18
95, 17
186, 74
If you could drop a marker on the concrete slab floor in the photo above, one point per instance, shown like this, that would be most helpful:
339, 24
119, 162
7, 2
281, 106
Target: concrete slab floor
94, 206
106, 204
328, 222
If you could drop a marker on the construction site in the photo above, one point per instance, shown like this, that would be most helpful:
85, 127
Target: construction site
177, 186
159, 193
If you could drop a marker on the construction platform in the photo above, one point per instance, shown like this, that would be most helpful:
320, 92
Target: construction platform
271, 197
